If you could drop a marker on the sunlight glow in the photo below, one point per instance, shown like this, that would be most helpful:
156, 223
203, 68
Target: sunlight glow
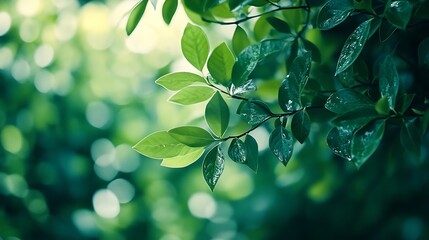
123, 189
106, 203
5, 23
202, 205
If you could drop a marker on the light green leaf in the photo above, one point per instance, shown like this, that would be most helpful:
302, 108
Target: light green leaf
398, 13
423, 52
389, 81
251, 56
195, 46
237, 151
162, 145
168, 10
213, 166
281, 144
183, 160
192, 136
346, 100
353, 46
365, 141
240, 40
192, 94
300, 125
410, 136
253, 112
251, 153
135, 16
339, 140
178, 80
333, 13
279, 24
220, 64
382, 106
217, 115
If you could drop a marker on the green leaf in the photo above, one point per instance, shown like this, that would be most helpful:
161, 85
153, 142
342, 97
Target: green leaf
356, 118
423, 52
213, 166
191, 95
339, 140
315, 52
389, 81
334, 13
168, 10
251, 56
382, 106
192, 136
353, 46
240, 40
253, 112
410, 136
237, 151
162, 145
385, 31
281, 144
346, 100
251, 153
248, 86
220, 64
195, 46
217, 114
178, 80
279, 24
404, 101
398, 13
183, 160
135, 16
300, 125
366, 141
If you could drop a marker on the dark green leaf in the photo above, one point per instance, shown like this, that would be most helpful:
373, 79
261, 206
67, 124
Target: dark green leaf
300, 125
217, 115
251, 153
315, 52
333, 13
220, 64
279, 24
423, 52
403, 102
356, 118
135, 16
339, 140
353, 46
168, 10
251, 56
410, 136
248, 86
261, 29
281, 144
346, 77
183, 160
366, 141
195, 46
192, 94
389, 81
237, 151
192, 136
398, 13
239, 40
346, 100
213, 166
385, 31
178, 80
253, 112
162, 145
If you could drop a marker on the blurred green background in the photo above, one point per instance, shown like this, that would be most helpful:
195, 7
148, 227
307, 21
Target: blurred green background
76, 94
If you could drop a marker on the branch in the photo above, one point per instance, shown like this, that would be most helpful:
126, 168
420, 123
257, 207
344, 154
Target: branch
253, 16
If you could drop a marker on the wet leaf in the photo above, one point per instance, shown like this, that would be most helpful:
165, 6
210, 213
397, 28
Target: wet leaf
253, 112
192, 136
213, 166
339, 140
353, 46
398, 13
346, 100
281, 144
237, 151
333, 13
356, 118
389, 81
366, 141
248, 86
251, 153
217, 115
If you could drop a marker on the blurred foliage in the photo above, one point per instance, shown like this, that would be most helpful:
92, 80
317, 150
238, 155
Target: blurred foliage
75, 94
